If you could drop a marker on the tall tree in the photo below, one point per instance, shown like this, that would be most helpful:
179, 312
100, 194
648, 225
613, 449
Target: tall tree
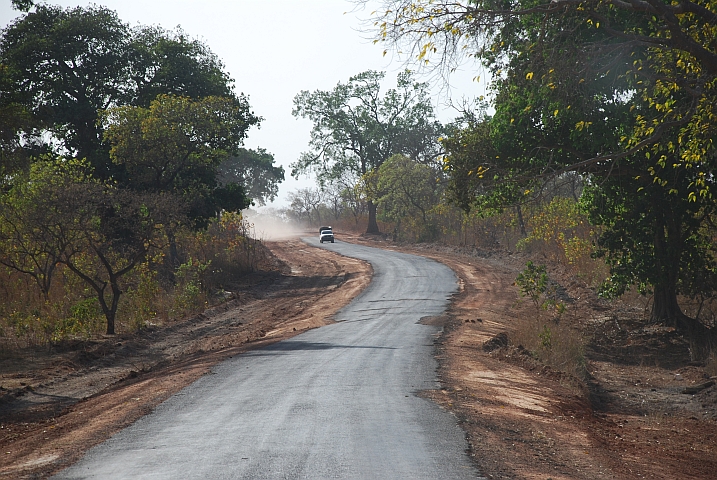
408, 189
172, 63
67, 65
255, 171
357, 129
176, 146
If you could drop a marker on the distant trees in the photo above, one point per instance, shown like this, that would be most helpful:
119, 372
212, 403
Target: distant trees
408, 190
255, 170
356, 129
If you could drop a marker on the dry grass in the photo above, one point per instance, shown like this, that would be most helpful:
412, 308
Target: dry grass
553, 343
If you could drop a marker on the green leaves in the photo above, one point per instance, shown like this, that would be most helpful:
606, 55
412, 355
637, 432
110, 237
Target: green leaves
176, 146
357, 129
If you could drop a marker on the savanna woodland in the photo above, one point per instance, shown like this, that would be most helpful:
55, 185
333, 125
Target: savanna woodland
575, 199
122, 177
598, 137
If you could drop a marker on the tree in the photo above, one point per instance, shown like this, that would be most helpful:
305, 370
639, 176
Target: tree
356, 129
34, 215
176, 146
304, 202
58, 214
65, 66
255, 171
408, 189
621, 93
22, 5
123, 228
171, 63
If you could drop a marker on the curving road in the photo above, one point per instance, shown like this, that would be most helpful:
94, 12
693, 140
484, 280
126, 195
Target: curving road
335, 402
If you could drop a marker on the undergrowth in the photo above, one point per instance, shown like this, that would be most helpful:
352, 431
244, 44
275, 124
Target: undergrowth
154, 292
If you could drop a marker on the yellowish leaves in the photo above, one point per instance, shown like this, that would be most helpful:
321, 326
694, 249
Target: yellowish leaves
529, 76
582, 125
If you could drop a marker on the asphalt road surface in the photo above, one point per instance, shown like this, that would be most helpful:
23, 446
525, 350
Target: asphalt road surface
336, 402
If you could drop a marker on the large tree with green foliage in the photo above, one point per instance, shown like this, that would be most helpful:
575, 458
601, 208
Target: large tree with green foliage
176, 146
65, 66
408, 190
357, 129
255, 171
172, 63
623, 93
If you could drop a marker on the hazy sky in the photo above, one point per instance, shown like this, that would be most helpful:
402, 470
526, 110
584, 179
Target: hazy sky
273, 49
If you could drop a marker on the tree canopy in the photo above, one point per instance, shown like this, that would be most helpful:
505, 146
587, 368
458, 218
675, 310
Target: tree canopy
111, 139
357, 129
176, 146
65, 66
622, 93
255, 170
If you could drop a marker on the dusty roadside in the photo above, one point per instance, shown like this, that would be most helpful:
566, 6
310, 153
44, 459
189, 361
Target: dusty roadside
632, 420
56, 405
521, 420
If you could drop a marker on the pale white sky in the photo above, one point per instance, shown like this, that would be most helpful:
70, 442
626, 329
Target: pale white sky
273, 49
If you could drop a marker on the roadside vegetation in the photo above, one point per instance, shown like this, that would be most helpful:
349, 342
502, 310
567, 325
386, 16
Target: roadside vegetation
123, 177
593, 153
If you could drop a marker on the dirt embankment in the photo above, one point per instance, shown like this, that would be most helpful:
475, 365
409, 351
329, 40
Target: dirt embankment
522, 420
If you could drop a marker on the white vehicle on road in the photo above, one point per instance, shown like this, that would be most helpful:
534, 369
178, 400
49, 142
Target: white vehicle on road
326, 235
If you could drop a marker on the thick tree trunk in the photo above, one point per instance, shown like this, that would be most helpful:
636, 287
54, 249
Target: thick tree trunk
372, 224
665, 308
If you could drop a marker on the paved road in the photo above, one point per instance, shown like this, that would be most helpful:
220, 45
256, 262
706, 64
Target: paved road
335, 402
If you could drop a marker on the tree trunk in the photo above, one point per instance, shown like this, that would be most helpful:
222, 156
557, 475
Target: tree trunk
665, 308
521, 222
110, 310
372, 225
668, 245
172, 261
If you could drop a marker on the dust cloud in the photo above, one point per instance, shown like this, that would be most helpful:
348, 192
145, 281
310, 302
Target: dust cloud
271, 226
